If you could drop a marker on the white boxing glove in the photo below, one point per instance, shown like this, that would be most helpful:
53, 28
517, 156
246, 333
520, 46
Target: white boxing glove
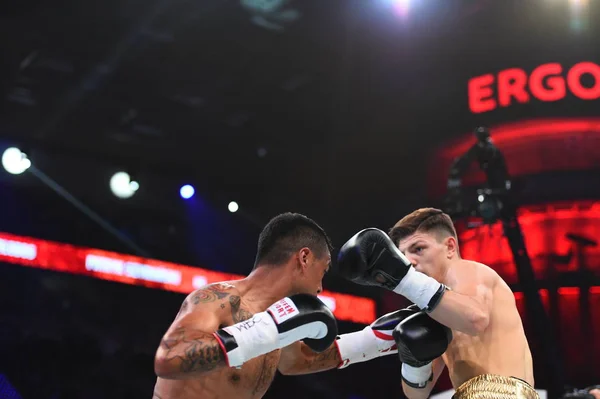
373, 341
300, 317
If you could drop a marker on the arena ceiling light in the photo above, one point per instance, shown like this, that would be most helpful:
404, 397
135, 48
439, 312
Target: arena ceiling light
401, 7
15, 161
187, 191
122, 186
233, 207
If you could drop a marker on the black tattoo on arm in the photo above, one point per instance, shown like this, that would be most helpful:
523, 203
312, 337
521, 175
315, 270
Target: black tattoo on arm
237, 312
267, 373
211, 293
192, 351
323, 361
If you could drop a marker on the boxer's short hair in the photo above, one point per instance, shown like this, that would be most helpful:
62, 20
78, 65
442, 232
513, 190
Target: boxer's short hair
286, 234
425, 220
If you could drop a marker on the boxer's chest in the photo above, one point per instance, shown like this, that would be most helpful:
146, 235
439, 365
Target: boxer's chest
256, 375
251, 381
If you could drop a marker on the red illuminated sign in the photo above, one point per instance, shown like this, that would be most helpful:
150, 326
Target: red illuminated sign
546, 229
150, 273
546, 83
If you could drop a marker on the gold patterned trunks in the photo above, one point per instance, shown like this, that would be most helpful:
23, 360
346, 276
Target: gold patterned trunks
490, 386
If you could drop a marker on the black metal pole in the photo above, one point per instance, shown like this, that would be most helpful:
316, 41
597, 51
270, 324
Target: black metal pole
533, 302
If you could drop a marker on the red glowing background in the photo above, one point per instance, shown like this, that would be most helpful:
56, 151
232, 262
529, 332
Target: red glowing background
533, 147
529, 147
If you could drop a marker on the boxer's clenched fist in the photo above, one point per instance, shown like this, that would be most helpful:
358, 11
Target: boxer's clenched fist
420, 340
301, 317
371, 258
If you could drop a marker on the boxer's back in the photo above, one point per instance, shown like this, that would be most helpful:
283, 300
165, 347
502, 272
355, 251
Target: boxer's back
249, 382
502, 348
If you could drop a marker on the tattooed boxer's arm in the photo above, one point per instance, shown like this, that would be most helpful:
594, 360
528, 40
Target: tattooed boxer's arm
300, 359
189, 349
187, 352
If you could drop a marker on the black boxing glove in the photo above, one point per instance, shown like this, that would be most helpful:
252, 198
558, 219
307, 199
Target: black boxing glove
301, 317
374, 340
420, 340
371, 258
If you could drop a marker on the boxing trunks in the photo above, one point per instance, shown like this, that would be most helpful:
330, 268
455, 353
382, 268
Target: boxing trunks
491, 386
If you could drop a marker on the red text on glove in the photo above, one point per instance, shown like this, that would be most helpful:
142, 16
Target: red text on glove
546, 83
283, 310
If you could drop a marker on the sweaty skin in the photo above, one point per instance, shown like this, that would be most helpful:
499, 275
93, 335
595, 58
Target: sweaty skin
502, 347
480, 308
190, 363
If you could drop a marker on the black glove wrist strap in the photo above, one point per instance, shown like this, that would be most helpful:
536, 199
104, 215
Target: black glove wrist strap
436, 299
418, 385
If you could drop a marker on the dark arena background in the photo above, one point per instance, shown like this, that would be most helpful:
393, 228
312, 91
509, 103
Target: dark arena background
352, 112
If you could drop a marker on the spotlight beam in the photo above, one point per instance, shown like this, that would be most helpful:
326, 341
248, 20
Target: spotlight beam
87, 211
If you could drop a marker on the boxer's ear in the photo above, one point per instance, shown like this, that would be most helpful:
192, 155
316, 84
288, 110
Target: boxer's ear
304, 259
451, 246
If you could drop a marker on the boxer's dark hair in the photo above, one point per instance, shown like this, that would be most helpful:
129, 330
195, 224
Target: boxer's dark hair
425, 220
286, 234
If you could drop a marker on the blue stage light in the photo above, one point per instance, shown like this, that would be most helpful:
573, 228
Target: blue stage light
187, 191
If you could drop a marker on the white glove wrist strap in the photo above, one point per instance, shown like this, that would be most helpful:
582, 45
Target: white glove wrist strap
417, 288
359, 346
417, 375
254, 337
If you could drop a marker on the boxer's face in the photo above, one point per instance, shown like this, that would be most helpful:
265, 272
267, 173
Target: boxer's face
312, 269
426, 252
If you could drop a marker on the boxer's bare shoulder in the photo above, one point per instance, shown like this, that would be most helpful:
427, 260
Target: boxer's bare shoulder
212, 293
226, 303
213, 296
483, 270
225, 298
479, 274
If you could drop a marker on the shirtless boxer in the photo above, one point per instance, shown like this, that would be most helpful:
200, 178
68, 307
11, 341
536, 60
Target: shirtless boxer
228, 339
488, 354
